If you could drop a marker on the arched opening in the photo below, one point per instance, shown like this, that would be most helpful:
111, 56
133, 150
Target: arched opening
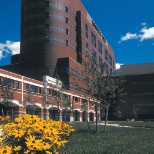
91, 116
65, 115
33, 110
54, 113
84, 116
76, 115
7, 109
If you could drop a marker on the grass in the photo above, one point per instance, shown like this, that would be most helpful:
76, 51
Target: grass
115, 141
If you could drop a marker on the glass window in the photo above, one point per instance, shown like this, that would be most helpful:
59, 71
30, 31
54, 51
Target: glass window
99, 47
100, 63
46, 14
46, 26
66, 20
17, 84
66, 42
66, 31
106, 55
86, 29
34, 88
93, 56
93, 39
66, 9
47, 3
110, 60
8, 82
27, 86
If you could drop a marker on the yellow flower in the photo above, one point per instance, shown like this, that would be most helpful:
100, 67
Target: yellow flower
17, 148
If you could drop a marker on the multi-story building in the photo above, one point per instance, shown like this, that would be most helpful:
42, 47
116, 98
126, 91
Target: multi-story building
139, 88
56, 37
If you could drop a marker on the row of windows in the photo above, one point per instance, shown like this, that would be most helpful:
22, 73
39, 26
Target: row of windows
94, 55
100, 46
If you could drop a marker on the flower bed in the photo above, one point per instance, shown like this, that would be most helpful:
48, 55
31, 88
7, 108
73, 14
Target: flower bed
29, 134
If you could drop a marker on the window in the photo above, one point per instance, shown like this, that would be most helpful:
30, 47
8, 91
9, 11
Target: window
107, 69
106, 55
87, 48
40, 90
110, 60
17, 84
46, 26
66, 20
66, 9
46, 14
93, 39
47, 3
86, 29
93, 56
8, 82
66, 31
99, 47
34, 89
76, 99
100, 63
27, 86
66, 42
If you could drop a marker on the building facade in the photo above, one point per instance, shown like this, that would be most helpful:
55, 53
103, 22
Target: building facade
56, 34
46, 108
139, 88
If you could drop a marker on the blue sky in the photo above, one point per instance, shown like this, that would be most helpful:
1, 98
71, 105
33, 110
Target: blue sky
128, 26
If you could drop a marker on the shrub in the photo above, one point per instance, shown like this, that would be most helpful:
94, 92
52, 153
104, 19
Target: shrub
29, 134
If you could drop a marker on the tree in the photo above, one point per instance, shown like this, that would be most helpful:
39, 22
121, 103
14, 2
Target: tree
30, 103
55, 94
7, 95
102, 88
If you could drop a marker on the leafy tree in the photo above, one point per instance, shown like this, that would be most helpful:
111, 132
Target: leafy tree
102, 89
7, 95
30, 103
57, 95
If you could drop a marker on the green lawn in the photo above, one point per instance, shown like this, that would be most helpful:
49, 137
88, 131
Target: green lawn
116, 140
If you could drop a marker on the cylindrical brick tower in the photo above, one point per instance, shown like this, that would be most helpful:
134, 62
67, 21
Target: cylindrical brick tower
48, 32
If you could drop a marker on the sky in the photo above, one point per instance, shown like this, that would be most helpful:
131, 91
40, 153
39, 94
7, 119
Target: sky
128, 26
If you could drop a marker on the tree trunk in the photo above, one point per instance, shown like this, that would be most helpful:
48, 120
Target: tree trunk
106, 117
2, 112
96, 119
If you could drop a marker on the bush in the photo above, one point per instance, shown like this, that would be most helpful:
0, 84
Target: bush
29, 134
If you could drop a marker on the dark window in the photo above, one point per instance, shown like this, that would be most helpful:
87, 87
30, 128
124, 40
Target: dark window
93, 39
47, 3
46, 26
86, 29
40, 90
110, 60
27, 86
66, 42
99, 47
107, 69
8, 82
66, 20
100, 63
66, 31
34, 89
106, 55
46, 14
94, 56
66, 9
17, 84
76, 99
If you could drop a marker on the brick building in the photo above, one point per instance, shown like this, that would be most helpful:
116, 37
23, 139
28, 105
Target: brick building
22, 84
56, 37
